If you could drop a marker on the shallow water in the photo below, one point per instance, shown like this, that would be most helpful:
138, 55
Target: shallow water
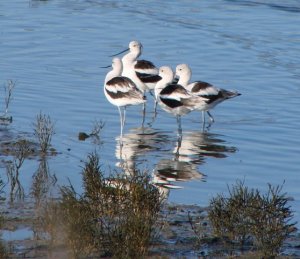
19, 234
54, 51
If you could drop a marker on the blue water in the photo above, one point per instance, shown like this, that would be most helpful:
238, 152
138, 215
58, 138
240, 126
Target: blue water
54, 50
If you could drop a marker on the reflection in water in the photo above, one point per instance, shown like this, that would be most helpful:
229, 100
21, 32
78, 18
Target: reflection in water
195, 146
20, 151
16, 188
42, 182
135, 144
190, 151
40, 189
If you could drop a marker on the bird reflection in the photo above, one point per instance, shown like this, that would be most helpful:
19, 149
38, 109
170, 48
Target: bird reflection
196, 146
133, 149
190, 151
176, 169
136, 144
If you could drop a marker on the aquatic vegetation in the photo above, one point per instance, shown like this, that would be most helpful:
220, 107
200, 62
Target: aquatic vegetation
97, 127
8, 93
20, 151
95, 133
114, 216
249, 218
44, 130
8, 90
21, 148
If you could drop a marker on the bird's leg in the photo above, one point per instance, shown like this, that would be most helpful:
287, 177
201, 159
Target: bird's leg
203, 117
155, 102
121, 150
154, 114
210, 117
121, 123
155, 107
203, 126
144, 114
208, 127
179, 125
124, 117
151, 93
179, 140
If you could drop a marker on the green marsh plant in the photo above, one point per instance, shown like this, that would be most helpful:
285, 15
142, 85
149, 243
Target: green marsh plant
248, 217
44, 130
114, 216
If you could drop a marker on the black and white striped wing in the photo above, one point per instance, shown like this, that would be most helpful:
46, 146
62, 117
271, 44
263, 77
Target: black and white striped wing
122, 87
205, 90
174, 95
146, 71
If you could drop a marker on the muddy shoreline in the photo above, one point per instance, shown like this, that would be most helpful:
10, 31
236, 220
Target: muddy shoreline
176, 238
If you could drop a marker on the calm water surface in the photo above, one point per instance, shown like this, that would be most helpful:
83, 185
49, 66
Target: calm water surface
54, 50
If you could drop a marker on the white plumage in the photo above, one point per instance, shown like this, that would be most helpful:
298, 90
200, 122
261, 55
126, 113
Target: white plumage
142, 72
174, 98
121, 91
211, 95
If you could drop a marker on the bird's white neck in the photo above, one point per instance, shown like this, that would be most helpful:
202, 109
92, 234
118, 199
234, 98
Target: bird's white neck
128, 61
116, 71
185, 79
130, 57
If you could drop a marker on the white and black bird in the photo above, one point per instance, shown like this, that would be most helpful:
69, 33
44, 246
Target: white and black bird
121, 91
143, 72
173, 97
211, 95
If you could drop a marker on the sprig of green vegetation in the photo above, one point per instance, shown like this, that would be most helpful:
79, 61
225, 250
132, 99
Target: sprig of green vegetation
44, 130
115, 216
248, 217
